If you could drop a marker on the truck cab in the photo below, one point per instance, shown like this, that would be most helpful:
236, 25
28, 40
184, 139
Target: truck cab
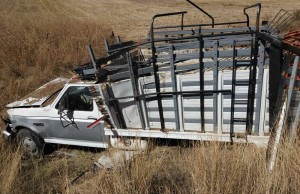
61, 117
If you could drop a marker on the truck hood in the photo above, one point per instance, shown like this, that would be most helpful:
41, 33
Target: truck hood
38, 96
28, 102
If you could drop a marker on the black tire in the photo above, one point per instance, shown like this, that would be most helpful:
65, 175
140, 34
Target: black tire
31, 143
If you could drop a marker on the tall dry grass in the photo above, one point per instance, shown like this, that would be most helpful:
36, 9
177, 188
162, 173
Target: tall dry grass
204, 168
44, 175
201, 168
36, 46
34, 50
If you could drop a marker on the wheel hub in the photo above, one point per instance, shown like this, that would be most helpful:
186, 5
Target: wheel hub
30, 146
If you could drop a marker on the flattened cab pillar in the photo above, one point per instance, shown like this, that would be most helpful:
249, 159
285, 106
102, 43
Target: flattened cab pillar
276, 63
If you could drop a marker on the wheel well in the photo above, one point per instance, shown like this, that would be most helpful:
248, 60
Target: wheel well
18, 128
22, 127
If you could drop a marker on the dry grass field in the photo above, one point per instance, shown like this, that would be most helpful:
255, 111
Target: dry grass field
44, 39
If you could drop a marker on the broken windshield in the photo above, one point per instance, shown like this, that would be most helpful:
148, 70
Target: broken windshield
51, 98
37, 97
47, 89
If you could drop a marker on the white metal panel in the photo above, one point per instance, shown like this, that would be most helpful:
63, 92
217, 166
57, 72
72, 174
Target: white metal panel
128, 107
190, 106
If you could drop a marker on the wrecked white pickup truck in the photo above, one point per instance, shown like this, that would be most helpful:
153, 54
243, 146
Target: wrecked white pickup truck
205, 82
58, 112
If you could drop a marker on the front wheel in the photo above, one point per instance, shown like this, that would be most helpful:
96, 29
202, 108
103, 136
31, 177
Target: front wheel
31, 143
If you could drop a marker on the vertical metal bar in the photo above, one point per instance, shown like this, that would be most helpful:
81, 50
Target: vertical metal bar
135, 90
261, 60
262, 116
106, 47
180, 103
115, 108
275, 139
182, 16
92, 56
233, 91
215, 86
292, 83
174, 87
144, 106
249, 124
249, 96
110, 109
252, 77
201, 79
118, 39
251, 88
220, 103
156, 78
275, 71
182, 24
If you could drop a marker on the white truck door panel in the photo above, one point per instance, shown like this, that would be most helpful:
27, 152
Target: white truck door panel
80, 111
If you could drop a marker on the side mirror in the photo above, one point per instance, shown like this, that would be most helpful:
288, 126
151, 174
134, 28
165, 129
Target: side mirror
61, 106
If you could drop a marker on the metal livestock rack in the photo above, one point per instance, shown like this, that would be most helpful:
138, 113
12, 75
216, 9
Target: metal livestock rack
199, 82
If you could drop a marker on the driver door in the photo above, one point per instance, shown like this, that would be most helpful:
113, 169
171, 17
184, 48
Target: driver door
75, 110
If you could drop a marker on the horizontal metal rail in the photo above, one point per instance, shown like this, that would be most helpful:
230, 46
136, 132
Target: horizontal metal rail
202, 31
207, 54
202, 25
261, 141
123, 50
190, 67
170, 94
206, 44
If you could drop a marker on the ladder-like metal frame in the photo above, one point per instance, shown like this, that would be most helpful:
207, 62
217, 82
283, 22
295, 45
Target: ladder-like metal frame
251, 83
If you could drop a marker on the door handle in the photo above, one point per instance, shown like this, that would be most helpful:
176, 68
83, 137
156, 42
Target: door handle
92, 118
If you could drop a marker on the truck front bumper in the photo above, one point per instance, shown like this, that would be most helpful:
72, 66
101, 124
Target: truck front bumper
6, 135
7, 131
